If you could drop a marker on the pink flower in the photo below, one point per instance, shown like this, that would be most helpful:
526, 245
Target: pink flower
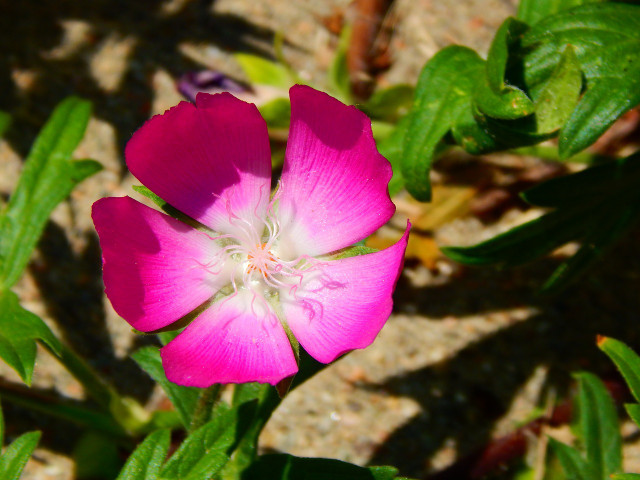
269, 262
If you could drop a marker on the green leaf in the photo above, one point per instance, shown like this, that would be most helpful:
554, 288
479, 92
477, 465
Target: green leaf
615, 219
598, 182
5, 121
514, 133
96, 457
48, 177
627, 361
633, 410
184, 399
497, 98
391, 148
205, 451
443, 94
1, 427
472, 133
559, 94
19, 330
598, 426
288, 467
277, 113
146, 460
595, 206
339, 81
606, 38
574, 466
390, 103
264, 72
532, 11
257, 401
81, 169
17, 454
525, 242
626, 476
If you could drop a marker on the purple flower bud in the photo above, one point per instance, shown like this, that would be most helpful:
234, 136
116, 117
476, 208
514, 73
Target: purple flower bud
208, 81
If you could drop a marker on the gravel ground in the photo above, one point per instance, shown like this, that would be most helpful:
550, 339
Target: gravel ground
467, 354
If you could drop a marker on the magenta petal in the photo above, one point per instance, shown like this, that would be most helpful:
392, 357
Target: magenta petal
346, 305
152, 263
238, 339
206, 160
334, 183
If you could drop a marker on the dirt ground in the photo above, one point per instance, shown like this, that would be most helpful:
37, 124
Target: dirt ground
467, 354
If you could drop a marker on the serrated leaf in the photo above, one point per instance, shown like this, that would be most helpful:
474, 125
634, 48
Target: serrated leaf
627, 361
288, 467
19, 331
146, 460
205, 451
532, 11
606, 38
496, 97
574, 466
17, 454
443, 93
261, 71
184, 399
599, 427
560, 93
48, 177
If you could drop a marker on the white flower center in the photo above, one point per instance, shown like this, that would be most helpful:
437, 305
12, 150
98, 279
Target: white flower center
251, 258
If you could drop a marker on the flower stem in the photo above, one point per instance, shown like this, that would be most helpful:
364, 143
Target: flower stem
126, 411
208, 399
62, 408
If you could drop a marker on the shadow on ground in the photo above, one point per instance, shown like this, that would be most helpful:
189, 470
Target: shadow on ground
28, 30
462, 398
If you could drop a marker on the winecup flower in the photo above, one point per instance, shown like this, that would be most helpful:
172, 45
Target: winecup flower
271, 264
